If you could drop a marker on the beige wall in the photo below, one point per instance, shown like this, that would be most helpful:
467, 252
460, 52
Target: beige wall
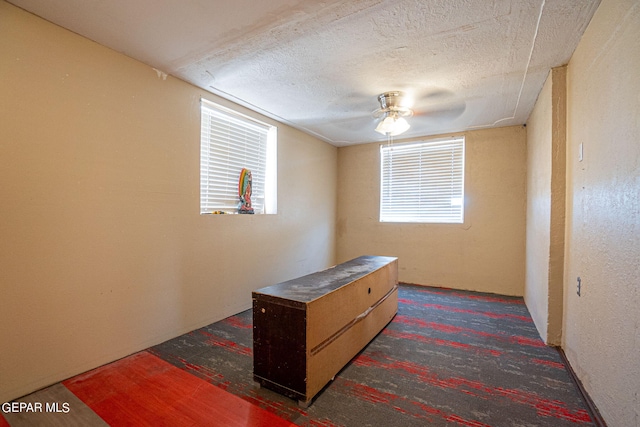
486, 253
102, 248
602, 327
546, 167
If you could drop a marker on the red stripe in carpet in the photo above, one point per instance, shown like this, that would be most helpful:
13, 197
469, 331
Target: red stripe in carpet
451, 329
466, 311
142, 389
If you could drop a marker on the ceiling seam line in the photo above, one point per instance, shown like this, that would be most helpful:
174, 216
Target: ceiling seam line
526, 72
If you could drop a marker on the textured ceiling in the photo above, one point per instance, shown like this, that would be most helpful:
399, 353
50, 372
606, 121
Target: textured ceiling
320, 65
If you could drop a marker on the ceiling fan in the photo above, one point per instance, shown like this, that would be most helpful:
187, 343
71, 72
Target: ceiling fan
414, 111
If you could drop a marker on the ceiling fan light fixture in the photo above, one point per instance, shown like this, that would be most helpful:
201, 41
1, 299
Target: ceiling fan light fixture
385, 125
393, 114
392, 125
400, 126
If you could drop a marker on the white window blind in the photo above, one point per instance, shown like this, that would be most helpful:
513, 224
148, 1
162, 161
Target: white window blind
230, 142
422, 182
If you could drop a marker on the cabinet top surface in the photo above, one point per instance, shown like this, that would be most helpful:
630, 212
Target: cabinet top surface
312, 286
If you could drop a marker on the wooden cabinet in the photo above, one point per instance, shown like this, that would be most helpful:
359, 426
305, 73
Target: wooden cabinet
307, 329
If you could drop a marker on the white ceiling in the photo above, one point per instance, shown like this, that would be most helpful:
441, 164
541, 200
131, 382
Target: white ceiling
320, 65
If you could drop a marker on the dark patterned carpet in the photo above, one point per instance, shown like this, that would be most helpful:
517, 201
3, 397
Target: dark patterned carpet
448, 358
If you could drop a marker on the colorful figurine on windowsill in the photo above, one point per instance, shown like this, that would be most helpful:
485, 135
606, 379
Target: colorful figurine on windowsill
244, 192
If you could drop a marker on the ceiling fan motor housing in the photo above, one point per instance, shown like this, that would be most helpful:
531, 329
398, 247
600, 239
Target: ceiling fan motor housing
392, 102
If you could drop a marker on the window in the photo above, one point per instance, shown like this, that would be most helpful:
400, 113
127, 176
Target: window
229, 143
422, 182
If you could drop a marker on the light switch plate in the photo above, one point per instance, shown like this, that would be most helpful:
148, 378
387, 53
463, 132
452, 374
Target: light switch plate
580, 152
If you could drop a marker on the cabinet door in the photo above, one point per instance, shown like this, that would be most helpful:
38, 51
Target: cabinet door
279, 347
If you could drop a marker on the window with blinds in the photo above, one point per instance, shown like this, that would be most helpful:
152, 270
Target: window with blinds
229, 142
422, 182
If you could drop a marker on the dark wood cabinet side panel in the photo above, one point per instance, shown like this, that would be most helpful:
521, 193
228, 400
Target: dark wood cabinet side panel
279, 346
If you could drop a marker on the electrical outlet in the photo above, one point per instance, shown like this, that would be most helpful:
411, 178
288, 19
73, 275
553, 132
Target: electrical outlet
579, 286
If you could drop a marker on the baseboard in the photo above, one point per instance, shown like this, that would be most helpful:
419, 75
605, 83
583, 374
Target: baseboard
593, 410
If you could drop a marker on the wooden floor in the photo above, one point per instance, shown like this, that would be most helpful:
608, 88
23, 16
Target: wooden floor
140, 390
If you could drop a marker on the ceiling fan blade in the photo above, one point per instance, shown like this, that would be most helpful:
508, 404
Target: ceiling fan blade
449, 111
355, 123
